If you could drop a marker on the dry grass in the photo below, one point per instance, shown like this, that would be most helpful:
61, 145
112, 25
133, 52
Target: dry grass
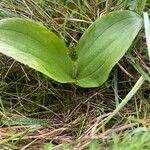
64, 113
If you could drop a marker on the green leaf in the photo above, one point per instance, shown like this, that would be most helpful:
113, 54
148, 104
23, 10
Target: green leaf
104, 44
32, 44
48, 146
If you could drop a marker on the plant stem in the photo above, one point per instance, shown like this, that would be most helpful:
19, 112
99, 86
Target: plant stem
74, 69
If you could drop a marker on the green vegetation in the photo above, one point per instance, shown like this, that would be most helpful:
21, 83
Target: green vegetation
93, 58
39, 113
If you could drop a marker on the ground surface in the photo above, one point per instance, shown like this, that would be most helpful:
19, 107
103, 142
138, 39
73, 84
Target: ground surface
35, 110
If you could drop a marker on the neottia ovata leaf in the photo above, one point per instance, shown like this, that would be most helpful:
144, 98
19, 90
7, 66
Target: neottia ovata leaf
32, 44
103, 44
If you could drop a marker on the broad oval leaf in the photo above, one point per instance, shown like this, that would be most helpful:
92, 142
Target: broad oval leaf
32, 44
104, 44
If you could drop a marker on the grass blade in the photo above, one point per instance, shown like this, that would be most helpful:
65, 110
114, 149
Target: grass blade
133, 91
147, 31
